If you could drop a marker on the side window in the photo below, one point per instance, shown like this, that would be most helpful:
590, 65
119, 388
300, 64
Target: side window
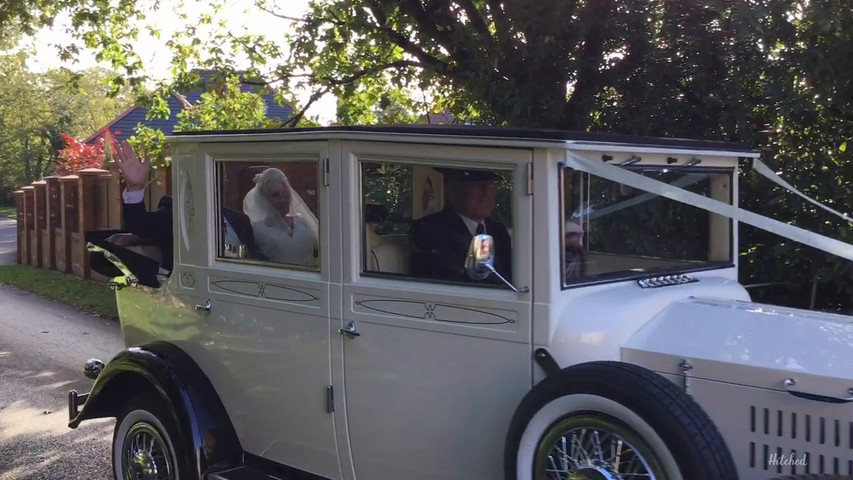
418, 220
268, 212
614, 231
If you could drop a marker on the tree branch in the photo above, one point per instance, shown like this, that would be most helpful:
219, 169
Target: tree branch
282, 16
330, 83
400, 40
502, 27
372, 70
576, 111
476, 19
427, 24
296, 117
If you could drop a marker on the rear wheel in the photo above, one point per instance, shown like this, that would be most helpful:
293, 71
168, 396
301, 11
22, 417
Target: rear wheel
145, 445
613, 421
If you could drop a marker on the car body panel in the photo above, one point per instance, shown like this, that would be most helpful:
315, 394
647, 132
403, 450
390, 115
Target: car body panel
734, 357
429, 387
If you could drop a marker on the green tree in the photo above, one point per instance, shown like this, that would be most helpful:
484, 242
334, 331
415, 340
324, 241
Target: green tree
807, 112
35, 109
226, 107
539, 63
718, 69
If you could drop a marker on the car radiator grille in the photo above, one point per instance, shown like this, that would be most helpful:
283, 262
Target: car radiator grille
774, 432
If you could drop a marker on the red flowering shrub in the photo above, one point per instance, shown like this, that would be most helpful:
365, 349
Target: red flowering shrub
78, 155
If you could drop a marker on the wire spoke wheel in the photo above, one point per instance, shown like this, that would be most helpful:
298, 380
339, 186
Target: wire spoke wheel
592, 446
146, 455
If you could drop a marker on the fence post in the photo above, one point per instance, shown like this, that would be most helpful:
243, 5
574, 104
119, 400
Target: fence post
29, 225
88, 203
114, 197
53, 220
70, 219
40, 217
20, 226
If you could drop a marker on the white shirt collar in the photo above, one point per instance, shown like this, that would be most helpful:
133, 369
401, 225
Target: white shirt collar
471, 224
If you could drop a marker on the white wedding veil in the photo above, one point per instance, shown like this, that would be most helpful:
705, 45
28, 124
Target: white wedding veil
258, 208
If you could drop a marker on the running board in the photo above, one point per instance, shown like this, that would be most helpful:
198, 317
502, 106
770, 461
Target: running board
242, 473
258, 468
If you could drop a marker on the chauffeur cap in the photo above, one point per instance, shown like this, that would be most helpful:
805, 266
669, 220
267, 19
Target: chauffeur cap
463, 175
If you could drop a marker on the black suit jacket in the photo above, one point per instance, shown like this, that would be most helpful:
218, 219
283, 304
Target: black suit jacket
242, 226
154, 226
440, 244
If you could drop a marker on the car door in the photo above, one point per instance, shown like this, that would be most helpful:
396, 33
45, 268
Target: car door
436, 371
268, 326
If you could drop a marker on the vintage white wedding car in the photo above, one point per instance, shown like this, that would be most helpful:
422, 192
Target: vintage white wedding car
609, 340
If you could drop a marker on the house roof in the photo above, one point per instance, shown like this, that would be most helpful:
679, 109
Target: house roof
125, 123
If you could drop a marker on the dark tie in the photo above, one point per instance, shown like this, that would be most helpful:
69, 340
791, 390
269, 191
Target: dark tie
481, 229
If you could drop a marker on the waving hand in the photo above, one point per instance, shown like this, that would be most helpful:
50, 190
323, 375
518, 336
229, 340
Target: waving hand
135, 169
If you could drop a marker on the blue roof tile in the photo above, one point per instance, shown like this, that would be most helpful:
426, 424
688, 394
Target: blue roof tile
126, 122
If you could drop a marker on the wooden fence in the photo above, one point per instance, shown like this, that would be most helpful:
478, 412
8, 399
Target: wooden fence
54, 214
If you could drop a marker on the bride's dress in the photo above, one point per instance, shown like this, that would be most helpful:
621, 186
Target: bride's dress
275, 238
282, 244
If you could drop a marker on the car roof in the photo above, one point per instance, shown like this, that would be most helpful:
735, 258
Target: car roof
474, 133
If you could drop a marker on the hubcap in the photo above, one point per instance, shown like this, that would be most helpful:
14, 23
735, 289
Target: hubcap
146, 455
594, 447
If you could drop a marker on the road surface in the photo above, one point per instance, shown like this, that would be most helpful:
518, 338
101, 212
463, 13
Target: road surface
43, 346
8, 241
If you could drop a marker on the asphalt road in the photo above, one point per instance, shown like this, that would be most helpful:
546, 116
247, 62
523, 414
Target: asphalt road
8, 241
43, 346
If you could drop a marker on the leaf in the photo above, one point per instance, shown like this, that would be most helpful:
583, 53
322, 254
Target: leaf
843, 147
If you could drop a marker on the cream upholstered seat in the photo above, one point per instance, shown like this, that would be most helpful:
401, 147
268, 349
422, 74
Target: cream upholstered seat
390, 256
383, 253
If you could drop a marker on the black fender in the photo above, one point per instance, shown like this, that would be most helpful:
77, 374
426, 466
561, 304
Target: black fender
168, 371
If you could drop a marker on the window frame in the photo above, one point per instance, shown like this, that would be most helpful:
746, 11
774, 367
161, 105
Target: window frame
627, 275
271, 159
442, 162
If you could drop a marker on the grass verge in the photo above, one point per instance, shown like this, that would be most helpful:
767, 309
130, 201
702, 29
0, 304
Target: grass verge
82, 294
8, 211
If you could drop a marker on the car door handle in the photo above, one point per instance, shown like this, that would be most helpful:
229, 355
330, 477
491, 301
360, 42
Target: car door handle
350, 330
789, 386
205, 307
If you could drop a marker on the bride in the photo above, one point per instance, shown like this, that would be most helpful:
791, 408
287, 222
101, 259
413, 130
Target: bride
286, 231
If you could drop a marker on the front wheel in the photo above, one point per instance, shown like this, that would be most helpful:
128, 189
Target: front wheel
145, 444
613, 421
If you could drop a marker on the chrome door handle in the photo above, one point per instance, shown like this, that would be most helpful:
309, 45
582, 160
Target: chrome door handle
790, 383
350, 330
205, 307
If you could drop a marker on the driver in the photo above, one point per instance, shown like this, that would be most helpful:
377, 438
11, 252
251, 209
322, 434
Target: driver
440, 241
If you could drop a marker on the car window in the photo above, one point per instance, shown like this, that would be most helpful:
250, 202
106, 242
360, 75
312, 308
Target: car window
612, 230
418, 220
268, 212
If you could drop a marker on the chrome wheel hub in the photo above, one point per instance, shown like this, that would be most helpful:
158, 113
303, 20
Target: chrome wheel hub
594, 448
146, 456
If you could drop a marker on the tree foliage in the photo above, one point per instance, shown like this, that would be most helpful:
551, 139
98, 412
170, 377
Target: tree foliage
76, 155
771, 73
36, 109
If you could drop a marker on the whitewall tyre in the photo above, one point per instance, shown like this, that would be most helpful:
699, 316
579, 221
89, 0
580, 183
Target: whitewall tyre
145, 445
613, 421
